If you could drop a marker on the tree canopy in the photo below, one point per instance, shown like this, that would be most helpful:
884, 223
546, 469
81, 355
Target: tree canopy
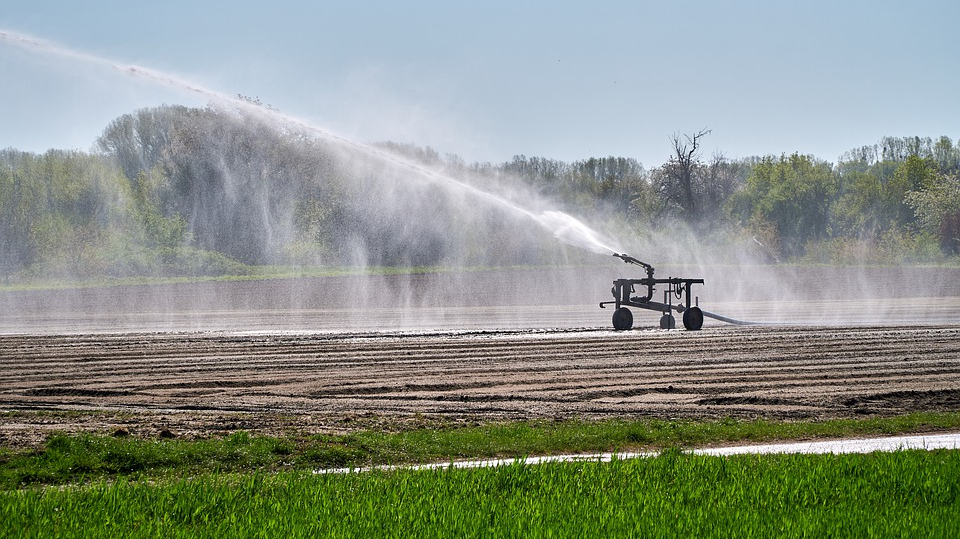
178, 190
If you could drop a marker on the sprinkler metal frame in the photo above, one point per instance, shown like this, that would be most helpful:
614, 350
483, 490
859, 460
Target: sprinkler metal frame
679, 288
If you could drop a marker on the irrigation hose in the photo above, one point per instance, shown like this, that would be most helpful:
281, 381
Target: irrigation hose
729, 320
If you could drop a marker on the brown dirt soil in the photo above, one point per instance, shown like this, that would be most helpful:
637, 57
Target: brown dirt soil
198, 384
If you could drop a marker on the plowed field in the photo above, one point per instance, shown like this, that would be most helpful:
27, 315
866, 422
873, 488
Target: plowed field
200, 383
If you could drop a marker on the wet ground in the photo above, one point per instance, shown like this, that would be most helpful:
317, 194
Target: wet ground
336, 354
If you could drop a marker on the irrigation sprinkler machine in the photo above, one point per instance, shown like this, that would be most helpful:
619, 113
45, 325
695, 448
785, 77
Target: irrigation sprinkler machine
676, 297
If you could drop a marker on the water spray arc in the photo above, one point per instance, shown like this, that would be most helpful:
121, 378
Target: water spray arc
563, 226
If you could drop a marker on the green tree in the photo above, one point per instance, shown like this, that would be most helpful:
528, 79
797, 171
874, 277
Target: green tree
21, 198
137, 141
793, 195
946, 155
221, 179
61, 210
858, 211
606, 184
937, 207
912, 174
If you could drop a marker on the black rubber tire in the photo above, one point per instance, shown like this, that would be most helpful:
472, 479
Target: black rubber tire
693, 318
667, 321
622, 319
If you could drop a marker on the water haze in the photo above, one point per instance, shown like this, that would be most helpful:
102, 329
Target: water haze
456, 223
565, 227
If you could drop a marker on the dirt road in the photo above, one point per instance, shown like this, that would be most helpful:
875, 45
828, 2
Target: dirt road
200, 384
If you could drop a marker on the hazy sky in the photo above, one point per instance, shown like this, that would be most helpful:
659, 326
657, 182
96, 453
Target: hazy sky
493, 79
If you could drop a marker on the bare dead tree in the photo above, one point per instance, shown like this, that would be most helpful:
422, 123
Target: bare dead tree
685, 161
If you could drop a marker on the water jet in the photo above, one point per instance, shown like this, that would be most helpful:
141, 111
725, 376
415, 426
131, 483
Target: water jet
562, 226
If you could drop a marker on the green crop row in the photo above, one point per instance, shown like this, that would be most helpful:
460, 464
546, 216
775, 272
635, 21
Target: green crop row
908, 493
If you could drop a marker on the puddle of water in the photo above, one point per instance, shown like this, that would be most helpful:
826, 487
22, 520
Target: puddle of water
928, 442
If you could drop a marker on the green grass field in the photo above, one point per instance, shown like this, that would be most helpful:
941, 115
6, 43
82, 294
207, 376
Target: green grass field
68, 459
911, 493
243, 485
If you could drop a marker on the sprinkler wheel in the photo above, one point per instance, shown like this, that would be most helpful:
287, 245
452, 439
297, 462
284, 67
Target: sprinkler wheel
622, 319
667, 321
693, 318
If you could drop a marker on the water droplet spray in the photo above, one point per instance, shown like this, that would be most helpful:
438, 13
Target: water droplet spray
564, 227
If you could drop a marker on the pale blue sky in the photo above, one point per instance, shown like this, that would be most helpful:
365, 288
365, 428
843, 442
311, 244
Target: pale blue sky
489, 80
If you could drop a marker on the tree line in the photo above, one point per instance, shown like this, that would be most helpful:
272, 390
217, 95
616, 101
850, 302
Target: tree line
213, 190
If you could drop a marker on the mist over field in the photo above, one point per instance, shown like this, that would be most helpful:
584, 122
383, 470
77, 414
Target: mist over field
238, 188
